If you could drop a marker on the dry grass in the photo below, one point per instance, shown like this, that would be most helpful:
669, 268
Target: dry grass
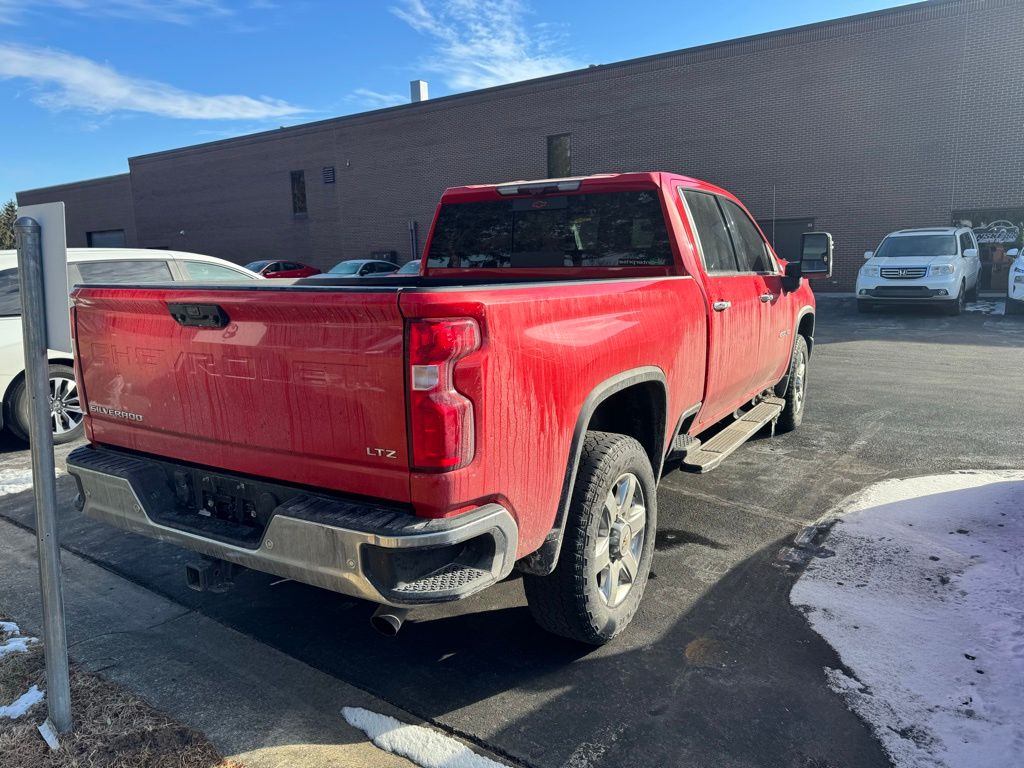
112, 728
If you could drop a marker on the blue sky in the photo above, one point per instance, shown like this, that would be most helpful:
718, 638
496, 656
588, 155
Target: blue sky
85, 84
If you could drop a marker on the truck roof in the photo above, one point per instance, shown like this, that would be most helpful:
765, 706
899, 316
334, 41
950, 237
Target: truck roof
572, 183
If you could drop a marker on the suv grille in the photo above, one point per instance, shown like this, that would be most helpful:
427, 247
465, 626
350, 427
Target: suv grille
904, 273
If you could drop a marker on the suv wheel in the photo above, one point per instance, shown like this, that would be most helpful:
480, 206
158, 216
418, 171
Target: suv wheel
66, 415
607, 548
957, 305
972, 295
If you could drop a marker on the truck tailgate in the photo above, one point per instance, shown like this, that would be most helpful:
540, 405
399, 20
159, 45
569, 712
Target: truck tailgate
304, 387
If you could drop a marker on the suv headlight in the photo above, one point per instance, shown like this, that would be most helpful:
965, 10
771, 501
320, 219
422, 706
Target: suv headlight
941, 269
869, 271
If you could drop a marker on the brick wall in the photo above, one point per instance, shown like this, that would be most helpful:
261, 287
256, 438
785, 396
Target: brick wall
90, 206
866, 125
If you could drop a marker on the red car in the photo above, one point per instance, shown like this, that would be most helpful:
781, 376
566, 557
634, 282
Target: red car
512, 407
273, 269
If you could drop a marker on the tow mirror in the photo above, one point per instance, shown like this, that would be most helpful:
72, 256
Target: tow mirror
868, 255
816, 255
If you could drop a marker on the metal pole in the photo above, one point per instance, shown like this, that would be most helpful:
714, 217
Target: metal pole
44, 481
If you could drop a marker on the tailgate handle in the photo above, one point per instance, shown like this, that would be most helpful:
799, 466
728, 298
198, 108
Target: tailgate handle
199, 315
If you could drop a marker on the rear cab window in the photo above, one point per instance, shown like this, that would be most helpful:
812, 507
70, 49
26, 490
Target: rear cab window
592, 229
142, 271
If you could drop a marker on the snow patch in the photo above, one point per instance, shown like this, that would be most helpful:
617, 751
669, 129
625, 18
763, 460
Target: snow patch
924, 602
994, 307
423, 746
9, 628
14, 481
23, 703
16, 645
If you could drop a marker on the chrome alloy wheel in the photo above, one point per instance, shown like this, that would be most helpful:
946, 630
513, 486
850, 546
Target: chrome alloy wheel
800, 382
620, 539
65, 407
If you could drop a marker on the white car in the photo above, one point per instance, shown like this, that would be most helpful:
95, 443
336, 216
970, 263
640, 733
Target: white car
85, 265
938, 266
1015, 288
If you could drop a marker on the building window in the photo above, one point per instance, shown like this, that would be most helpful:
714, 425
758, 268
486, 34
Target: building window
299, 193
559, 164
106, 238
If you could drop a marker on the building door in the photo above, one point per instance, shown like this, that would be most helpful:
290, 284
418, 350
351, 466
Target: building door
784, 235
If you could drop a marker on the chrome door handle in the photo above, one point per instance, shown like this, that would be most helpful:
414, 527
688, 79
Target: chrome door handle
720, 306
766, 297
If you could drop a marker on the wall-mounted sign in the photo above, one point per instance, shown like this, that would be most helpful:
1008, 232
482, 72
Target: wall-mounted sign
998, 232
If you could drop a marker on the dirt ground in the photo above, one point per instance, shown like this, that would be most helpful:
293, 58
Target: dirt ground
112, 728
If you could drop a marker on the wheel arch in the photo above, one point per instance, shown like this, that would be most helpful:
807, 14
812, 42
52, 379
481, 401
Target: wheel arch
804, 326
633, 403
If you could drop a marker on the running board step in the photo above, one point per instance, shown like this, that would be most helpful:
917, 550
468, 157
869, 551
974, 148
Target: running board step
710, 454
681, 445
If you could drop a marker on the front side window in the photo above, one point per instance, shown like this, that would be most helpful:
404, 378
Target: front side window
965, 242
711, 229
198, 270
916, 246
124, 271
257, 266
607, 229
750, 249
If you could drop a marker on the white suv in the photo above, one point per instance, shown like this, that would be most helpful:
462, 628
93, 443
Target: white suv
85, 265
938, 266
1015, 288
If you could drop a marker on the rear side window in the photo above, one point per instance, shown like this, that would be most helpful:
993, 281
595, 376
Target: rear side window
750, 250
124, 271
10, 293
199, 270
714, 237
610, 229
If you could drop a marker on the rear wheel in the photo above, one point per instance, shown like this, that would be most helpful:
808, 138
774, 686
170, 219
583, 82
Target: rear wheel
607, 548
793, 412
66, 415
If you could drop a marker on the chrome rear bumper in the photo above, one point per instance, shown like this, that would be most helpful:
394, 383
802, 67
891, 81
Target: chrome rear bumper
362, 549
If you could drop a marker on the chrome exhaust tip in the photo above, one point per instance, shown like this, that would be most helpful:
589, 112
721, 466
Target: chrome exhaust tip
388, 620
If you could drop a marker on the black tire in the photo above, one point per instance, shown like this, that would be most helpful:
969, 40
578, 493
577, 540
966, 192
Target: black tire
956, 306
1014, 307
16, 408
972, 295
864, 306
579, 599
796, 393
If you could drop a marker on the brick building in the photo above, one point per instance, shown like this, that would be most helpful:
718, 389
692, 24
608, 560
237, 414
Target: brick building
912, 116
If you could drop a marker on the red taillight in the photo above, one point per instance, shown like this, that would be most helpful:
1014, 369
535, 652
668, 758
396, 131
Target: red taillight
440, 417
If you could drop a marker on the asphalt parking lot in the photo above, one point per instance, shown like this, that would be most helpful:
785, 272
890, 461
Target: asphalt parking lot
717, 669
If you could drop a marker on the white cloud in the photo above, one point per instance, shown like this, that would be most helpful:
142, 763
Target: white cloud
172, 11
377, 100
480, 43
65, 81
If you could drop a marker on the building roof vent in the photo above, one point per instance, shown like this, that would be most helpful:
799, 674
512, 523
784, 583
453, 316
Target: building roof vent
328, 174
418, 90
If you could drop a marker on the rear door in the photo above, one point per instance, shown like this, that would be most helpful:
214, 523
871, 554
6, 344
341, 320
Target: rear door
300, 386
755, 259
735, 310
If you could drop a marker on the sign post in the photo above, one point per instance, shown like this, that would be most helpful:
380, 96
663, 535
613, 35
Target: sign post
44, 482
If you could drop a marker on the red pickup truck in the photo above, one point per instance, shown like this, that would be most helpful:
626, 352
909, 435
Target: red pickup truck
411, 440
